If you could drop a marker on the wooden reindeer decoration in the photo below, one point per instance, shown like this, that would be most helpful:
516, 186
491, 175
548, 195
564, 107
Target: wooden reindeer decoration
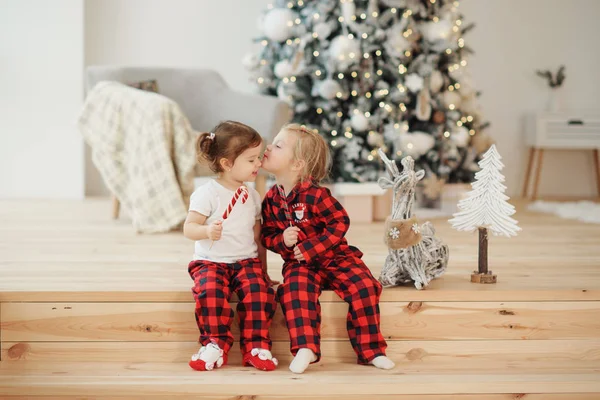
415, 254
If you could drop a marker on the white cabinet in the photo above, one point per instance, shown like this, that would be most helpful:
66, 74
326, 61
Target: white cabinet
564, 131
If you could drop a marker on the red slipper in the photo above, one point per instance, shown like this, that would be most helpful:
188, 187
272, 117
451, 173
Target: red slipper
252, 359
201, 365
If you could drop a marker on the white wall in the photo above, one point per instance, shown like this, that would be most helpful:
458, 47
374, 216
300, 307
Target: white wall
173, 33
41, 92
511, 40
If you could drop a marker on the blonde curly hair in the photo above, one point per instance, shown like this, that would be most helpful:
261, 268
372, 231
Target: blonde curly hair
313, 150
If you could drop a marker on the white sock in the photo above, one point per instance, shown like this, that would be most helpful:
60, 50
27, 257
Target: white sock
303, 358
382, 362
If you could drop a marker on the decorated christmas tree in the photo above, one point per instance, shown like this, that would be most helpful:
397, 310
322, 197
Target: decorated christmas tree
486, 208
370, 74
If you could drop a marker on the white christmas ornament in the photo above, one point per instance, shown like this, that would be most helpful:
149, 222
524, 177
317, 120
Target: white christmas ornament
396, 44
278, 24
486, 206
323, 30
414, 82
433, 31
328, 89
359, 122
417, 143
283, 69
342, 47
460, 136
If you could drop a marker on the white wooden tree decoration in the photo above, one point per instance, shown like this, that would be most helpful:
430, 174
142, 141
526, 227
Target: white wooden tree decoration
486, 208
414, 253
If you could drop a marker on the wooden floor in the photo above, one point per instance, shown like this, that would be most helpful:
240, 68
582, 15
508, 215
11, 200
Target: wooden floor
89, 307
66, 251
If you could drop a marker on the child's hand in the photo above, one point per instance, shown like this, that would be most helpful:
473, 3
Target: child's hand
298, 254
290, 236
215, 229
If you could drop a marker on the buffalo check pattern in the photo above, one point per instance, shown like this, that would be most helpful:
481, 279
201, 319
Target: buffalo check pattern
323, 231
213, 285
330, 263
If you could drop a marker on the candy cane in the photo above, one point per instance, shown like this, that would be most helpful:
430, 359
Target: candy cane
284, 204
240, 193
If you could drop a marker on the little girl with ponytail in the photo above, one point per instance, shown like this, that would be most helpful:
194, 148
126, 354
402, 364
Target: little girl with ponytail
224, 220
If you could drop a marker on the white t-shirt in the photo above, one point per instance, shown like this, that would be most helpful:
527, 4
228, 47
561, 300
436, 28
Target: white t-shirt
237, 239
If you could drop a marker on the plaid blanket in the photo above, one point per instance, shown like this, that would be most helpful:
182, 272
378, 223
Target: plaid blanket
143, 146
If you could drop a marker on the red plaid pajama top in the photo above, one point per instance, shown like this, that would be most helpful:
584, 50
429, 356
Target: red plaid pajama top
321, 218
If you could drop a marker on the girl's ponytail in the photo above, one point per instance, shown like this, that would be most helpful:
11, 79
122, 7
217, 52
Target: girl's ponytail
227, 140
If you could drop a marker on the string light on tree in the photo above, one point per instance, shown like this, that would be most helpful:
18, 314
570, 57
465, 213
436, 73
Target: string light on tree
388, 60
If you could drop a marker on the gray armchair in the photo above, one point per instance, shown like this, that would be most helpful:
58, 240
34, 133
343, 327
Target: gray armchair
205, 99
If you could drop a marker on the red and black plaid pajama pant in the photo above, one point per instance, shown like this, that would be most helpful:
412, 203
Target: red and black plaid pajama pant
350, 278
213, 285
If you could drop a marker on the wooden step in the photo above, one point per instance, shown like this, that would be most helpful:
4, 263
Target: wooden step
100, 312
321, 380
411, 356
462, 396
80, 255
27, 322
